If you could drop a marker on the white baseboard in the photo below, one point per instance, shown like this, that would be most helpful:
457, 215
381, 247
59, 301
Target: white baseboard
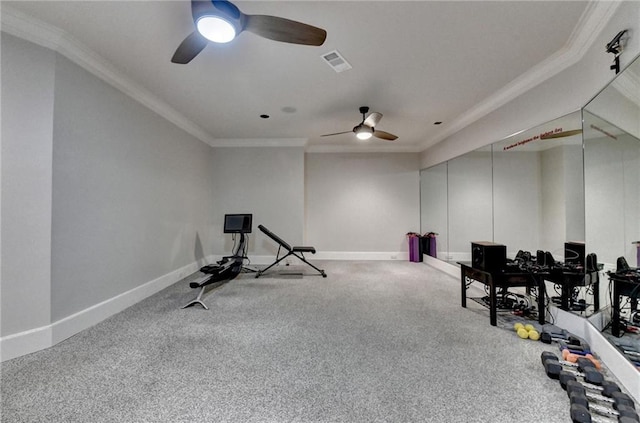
27, 342
334, 255
360, 255
448, 268
339, 255
22, 343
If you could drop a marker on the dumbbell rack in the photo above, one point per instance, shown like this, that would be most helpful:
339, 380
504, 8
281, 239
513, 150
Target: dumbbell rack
590, 394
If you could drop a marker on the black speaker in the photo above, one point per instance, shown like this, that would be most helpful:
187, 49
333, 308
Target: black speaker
574, 253
622, 265
488, 256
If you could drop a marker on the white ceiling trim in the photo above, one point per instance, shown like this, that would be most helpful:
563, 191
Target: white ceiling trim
392, 148
261, 142
38, 32
591, 23
628, 84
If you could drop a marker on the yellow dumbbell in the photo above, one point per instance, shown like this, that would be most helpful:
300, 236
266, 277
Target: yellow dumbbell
527, 331
522, 333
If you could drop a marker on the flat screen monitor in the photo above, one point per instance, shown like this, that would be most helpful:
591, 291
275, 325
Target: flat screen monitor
237, 223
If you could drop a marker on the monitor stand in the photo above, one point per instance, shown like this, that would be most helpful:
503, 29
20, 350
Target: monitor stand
239, 253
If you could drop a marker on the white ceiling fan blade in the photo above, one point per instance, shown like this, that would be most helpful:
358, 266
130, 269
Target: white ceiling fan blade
373, 119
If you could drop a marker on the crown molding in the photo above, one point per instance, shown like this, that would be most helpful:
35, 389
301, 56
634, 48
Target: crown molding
38, 32
397, 148
596, 15
628, 85
261, 142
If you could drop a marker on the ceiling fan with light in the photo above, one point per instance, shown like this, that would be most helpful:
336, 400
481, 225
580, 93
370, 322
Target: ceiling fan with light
222, 21
366, 129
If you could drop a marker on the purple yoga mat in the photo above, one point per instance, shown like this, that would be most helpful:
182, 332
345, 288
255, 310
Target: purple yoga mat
414, 248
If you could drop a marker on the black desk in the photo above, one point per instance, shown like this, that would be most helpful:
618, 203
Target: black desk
503, 280
569, 279
624, 284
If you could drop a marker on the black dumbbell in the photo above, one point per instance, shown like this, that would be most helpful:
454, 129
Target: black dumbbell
552, 333
581, 414
615, 398
554, 369
618, 411
581, 364
580, 349
606, 388
617, 405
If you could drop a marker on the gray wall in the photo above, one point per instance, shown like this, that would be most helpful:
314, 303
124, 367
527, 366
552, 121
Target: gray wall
362, 202
27, 122
132, 196
267, 182
100, 196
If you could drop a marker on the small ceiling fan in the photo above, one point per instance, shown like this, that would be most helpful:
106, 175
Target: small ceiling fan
366, 129
222, 21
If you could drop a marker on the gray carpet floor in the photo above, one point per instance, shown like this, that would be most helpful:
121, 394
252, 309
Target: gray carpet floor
372, 342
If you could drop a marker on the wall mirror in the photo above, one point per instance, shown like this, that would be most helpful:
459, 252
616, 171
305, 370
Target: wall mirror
611, 125
433, 206
538, 197
525, 191
576, 178
470, 214
612, 168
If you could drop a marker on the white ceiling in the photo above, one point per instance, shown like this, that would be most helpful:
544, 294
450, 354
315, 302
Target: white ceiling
416, 62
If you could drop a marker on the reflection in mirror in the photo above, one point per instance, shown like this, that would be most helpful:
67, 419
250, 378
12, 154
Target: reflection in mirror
611, 124
433, 206
470, 208
538, 188
611, 181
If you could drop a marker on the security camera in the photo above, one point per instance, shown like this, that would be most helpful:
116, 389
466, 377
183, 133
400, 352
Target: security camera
615, 46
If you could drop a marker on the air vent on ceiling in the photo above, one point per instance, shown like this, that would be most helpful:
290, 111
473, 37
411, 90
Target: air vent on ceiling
336, 61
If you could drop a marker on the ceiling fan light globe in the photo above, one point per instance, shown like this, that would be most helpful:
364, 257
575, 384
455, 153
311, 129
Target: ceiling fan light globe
216, 29
364, 133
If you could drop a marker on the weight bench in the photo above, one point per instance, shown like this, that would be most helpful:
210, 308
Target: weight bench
227, 269
291, 251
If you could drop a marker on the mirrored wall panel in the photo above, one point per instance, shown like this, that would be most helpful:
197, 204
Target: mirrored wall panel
611, 124
525, 191
538, 189
573, 180
470, 198
612, 169
433, 206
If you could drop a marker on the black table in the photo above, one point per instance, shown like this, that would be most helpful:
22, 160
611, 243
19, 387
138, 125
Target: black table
501, 280
568, 279
624, 284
